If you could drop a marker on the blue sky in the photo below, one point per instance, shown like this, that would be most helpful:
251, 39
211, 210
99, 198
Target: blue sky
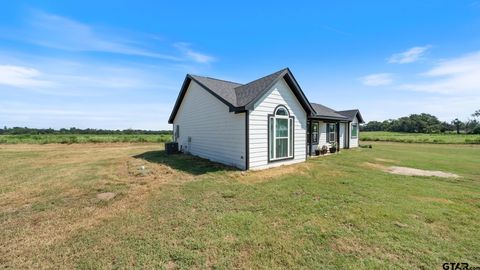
120, 64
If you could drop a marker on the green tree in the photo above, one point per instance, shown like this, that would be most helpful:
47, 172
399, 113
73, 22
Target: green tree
445, 126
476, 113
458, 124
373, 126
471, 126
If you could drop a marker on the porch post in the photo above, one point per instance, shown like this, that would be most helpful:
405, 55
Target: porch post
338, 136
310, 138
347, 135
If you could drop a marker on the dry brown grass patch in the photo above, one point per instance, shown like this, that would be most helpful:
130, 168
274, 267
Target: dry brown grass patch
27, 234
358, 247
252, 177
353, 245
374, 166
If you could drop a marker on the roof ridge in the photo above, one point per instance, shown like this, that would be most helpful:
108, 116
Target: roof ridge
348, 110
263, 77
206, 77
322, 106
324, 111
250, 91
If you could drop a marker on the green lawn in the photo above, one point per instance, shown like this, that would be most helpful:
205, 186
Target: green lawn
333, 212
420, 137
82, 138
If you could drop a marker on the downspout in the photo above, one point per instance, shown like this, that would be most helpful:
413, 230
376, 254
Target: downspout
247, 141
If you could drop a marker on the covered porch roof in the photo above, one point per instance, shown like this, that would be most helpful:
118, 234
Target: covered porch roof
327, 114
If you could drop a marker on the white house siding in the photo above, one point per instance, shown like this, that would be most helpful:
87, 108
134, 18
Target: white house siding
322, 140
354, 141
342, 135
280, 94
216, 133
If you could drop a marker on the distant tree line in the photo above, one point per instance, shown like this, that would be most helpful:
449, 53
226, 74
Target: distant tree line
37, 131
425, 123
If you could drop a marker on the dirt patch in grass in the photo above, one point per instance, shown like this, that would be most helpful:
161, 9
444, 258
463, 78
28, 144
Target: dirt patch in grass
386, 160
419, 172
170, 265
410, 171
106, 196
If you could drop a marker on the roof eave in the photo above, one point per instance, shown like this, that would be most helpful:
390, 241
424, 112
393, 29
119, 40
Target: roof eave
183, 90
321, 117
251, 104
180, 96
360, 118
303, 99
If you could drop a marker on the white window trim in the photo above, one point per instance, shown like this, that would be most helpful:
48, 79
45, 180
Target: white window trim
289, 137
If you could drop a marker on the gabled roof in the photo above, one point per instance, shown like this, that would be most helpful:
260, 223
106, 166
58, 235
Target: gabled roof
324, 112
248, 92
224, 89
351, 114
241, 97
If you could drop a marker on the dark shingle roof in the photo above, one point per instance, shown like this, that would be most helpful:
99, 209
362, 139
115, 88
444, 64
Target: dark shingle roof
237, 94
351, 114
224, 89
326, 112
240, 97
248, 92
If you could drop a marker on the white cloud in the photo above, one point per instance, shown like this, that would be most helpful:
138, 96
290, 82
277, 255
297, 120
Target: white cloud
194, 55
377, 79
409, 56
86, 94
58, 32
19, 76
49, 89
90, 78
454, 76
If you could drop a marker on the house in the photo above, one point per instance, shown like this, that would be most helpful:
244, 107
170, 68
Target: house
265, 123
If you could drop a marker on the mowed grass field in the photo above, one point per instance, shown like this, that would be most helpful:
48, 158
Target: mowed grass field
333, 212
83, 138
420, 137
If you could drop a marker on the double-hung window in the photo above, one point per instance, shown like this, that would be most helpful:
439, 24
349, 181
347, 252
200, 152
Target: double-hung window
354, 131
280, 134
314, 134
331, 132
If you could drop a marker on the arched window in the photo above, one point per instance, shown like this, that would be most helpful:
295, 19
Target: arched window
280, 134
281, 111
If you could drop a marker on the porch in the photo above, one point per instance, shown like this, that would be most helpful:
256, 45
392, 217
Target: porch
323, 132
